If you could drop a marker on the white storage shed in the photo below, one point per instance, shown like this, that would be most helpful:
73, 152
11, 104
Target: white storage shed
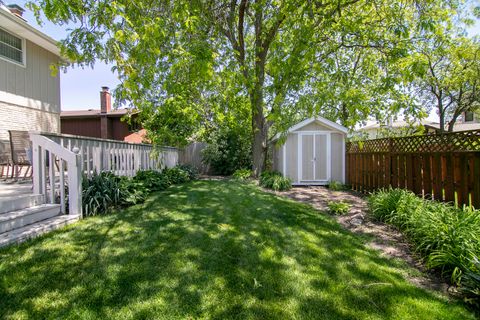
313, 152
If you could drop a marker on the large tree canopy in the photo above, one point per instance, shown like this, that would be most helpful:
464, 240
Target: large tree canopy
446, 72
189, 58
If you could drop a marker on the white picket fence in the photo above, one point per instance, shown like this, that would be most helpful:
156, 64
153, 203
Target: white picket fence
61, 160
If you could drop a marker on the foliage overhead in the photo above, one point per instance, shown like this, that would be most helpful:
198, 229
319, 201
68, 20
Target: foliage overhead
446, 72
275, 55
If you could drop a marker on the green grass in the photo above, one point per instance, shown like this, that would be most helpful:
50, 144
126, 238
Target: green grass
210, 249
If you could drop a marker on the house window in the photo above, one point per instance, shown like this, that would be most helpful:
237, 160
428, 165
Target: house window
11, 47
468, 116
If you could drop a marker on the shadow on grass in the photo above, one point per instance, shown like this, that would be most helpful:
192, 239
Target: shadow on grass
210, 249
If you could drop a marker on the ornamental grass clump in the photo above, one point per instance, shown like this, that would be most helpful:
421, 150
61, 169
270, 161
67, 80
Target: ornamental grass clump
242, 174
447, 237
275, 181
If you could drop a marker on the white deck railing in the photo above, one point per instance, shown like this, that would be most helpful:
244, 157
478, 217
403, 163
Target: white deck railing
61, 160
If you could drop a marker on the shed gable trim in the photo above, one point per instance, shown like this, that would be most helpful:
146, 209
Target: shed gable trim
308, 121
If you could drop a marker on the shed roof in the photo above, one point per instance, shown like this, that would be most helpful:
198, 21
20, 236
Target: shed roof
330, 124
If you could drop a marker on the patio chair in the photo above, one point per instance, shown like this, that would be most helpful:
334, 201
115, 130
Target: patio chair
5, 164
21, 153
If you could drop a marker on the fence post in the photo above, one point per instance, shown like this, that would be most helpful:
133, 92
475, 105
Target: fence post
36, 163
75, 185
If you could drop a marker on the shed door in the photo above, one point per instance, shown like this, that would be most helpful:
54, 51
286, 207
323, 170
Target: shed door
315, 154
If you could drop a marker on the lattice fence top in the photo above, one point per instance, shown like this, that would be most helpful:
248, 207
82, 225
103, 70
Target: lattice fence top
447, 142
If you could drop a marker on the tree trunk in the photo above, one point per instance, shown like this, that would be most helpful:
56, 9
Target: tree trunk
344, 114
258, 129
441, 113
442, 122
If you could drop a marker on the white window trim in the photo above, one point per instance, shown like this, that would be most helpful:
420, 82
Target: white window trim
24, 51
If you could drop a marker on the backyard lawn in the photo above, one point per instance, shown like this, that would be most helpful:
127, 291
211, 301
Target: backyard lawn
210, 250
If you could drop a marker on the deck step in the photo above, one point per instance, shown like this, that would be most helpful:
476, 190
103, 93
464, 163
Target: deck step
20, 218
18, 202
36, 229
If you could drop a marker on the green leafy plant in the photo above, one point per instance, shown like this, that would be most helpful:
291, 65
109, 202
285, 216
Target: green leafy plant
190, 170
131, 191
447, 237
242, 174
152, 180
229, 149
176, 175
336, 186
275, 181
100, 193
338, 207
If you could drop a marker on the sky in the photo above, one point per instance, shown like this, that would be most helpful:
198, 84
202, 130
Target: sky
80, 88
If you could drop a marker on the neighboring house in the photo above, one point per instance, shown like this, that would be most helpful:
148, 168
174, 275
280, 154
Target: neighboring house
394, 129
29, 93
104, 123
468, 121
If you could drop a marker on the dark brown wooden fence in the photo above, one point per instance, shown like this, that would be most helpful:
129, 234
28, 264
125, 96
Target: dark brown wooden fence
442, 167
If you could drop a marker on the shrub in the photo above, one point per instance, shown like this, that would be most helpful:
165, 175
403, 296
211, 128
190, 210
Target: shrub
228, 149
105, 191
336, 186
190, 170
132, 192
242, 174
338, 208
447, 237
176, 175
275, 181
152, 180
100, 193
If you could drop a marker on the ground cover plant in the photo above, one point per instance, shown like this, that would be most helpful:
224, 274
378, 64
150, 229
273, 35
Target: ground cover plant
211, 250
338, 207
447, 237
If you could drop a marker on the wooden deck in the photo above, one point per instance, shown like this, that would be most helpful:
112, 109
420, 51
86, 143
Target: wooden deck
15, 188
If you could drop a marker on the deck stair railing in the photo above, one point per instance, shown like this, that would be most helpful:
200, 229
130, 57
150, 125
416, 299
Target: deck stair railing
60, 161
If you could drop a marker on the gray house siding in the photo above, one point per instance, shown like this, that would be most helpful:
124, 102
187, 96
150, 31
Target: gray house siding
29, 95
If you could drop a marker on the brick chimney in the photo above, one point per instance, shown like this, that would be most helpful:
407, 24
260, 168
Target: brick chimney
16, 10
105, 100
105, 108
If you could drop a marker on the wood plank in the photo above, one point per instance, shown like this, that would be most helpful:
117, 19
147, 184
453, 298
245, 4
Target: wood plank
417, 168
471, 176
409, 171
460, 181
427, 175
388, 170
437, 177
476, 186
394, 170
373, 172
449, 178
